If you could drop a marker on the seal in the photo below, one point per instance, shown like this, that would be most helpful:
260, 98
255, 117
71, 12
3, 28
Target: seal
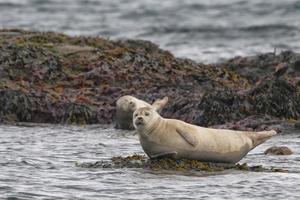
161, 137
126, 105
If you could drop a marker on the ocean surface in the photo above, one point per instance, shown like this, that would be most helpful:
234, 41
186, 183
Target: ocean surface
206, 31
39, 162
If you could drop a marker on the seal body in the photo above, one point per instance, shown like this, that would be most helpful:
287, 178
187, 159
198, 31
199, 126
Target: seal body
126, 105
160, 137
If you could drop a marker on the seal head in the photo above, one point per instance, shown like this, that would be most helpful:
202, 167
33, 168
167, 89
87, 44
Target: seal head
126, 105
145, 118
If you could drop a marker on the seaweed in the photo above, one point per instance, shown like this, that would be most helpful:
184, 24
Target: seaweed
141, 161
78, 80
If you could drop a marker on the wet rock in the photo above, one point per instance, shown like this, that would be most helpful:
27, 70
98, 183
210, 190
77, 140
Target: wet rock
55, 71
276, 98
254, 123
281, 150
78, 80
216, 107
29, 63
256, 68
141, 161
280, 69
15, 106
297, 125
297, 65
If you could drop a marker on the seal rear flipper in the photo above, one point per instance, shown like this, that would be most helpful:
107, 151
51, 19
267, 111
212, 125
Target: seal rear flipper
260, 137
188, 137
172, 154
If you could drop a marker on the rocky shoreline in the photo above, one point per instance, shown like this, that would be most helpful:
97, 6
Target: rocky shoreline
55, 78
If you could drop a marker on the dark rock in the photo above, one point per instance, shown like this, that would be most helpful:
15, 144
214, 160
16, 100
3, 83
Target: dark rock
282, 150
276, 98
256, 68
141, 161
280, 69
54, 78
254, 123
217, 107
297, 65
29, 63
16, 104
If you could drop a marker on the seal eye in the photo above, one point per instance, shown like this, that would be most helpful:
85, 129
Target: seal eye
147, 114
130, 102
135, 115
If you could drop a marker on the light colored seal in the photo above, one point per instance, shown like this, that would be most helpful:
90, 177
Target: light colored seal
127, 104
160, 137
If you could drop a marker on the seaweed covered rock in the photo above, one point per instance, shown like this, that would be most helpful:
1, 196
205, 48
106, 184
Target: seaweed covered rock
16, 106
273, 100
29, 63
297, 125
141, 161
78, 80
282, 150
277, 98
255, 123
268, 65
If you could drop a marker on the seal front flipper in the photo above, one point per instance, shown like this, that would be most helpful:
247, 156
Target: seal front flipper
159, 104
188, 137
164, 155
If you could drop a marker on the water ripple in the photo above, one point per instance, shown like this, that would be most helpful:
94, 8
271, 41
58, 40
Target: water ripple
39, 162
207, 31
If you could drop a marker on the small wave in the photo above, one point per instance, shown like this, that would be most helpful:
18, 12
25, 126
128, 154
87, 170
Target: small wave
11, 3
220, 29
178, 29
269, 27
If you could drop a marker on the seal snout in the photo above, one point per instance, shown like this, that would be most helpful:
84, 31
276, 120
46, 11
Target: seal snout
139, 121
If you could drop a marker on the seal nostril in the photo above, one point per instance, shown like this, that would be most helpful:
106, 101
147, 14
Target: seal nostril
139, 118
